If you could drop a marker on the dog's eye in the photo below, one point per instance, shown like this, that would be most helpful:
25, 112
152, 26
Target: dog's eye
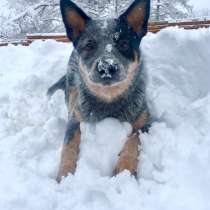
90, 45
123, 45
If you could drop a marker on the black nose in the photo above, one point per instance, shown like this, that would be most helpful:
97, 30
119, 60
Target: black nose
107, 68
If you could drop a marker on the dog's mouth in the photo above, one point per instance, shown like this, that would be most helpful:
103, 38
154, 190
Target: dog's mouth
107, 79
107, 82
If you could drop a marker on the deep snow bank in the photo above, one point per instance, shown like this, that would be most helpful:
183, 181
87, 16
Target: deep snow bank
174, 172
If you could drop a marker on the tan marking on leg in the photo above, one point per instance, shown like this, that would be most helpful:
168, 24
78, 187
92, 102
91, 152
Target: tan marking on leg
128, 159
141, 121
69, 157
72, 105
72, 99
78, 116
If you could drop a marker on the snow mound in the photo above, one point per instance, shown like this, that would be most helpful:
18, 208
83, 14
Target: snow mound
174, 170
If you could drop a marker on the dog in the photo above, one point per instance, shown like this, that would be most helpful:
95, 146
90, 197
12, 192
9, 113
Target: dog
105, 78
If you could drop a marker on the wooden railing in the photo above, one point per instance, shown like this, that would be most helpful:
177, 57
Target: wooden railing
154, 27
57, 37
23, 42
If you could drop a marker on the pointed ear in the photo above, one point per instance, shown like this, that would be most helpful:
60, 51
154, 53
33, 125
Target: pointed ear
74, 19
137, 16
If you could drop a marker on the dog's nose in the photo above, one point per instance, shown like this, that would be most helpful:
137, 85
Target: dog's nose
107, 68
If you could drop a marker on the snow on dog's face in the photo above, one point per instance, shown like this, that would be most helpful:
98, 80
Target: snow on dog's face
108, 50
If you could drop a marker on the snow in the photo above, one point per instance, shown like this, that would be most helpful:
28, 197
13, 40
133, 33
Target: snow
109, 48
46, 34
174, 170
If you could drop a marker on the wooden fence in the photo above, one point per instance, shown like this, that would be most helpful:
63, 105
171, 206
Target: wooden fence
154, 27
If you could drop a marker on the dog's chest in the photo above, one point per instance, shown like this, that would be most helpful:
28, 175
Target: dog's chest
125, 109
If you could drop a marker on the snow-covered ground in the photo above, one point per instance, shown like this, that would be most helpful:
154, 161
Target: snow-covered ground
174, 169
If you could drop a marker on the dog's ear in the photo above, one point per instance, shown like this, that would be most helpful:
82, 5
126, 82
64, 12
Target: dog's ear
74, 19
137, 16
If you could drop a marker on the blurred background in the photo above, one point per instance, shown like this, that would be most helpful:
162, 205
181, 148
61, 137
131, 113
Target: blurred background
20, 17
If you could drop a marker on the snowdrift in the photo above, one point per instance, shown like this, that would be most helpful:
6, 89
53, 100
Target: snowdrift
174, 172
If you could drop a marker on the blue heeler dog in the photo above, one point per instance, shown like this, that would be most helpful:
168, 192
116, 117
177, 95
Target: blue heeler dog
104, 79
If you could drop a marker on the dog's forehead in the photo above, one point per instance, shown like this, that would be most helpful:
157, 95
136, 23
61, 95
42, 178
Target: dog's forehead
102, 28
106, 24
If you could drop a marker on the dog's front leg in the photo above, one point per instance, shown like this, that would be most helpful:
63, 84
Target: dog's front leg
70, 149
128, 158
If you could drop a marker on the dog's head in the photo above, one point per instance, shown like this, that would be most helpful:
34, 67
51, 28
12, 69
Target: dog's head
108, 50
